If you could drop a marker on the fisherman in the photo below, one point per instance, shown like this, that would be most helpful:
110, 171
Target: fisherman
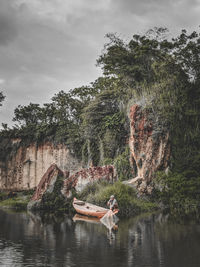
112, 203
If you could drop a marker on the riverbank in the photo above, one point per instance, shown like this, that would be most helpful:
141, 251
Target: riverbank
15, 200
97, 193
129, 203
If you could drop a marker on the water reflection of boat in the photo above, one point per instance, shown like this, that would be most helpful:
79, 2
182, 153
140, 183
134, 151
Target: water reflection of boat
78, 217
88, 209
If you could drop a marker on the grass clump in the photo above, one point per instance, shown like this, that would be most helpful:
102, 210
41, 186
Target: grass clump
3, 196
129, 204
15, 200
17, 203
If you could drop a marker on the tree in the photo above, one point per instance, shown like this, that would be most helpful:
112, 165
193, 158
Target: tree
68, 108
130, 61
134, 61
26, 115
164, 72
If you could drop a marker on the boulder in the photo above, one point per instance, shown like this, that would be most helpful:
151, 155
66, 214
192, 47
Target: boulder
45, 186
82, 178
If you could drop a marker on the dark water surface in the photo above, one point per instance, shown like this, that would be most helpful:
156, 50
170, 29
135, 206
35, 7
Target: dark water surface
145, 241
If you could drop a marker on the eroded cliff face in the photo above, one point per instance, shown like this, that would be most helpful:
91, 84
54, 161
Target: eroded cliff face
149, 147
47, 182
24, 168
76, 182
82, 178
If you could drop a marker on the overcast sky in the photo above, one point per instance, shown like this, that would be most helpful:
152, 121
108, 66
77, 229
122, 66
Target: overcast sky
52, 45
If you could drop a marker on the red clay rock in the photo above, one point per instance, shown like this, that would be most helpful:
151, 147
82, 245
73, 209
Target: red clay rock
82, 178
149, 147
48, 179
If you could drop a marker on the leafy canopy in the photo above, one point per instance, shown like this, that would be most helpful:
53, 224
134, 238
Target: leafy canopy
93, 120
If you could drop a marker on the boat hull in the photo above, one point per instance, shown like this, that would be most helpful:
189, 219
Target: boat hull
89, 209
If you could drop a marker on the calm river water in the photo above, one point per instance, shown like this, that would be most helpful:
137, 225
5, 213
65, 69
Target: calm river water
148, 240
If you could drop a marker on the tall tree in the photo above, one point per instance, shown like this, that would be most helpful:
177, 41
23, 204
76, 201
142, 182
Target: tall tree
26, 115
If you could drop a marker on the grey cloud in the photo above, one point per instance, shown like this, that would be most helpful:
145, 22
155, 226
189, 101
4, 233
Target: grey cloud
8, 28
138, 7
144, 6
172, 13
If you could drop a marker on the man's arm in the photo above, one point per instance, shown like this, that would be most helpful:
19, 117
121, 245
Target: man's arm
113, 203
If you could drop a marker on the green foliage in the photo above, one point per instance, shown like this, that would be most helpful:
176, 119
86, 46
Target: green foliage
161, 73
129, 204
29, 192
105, 104
94, 154
54, 200
7, 148
3, 196
84, 151
122, 165
166, 73
107, 161
104, 124
114, 121
134, 61
28, 115
91, 188
110, 144
179, 191
18, 202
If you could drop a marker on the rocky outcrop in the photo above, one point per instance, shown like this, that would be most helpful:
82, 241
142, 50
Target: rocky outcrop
48, 191
23, 168
79, 180
47, 182
149, 147
24, 165
46, 186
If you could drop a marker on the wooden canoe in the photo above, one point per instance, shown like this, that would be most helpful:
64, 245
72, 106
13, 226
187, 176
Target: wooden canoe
88, 209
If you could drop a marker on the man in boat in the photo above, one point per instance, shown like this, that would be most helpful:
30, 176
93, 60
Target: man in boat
112, 203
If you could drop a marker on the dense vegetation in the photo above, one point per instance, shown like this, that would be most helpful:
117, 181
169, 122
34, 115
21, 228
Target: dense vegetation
17, 201
129, 205
54, 201
92, 120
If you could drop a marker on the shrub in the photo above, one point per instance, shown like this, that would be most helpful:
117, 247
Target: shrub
107, 161
18, 203
129, 204
179, 191
3, 196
